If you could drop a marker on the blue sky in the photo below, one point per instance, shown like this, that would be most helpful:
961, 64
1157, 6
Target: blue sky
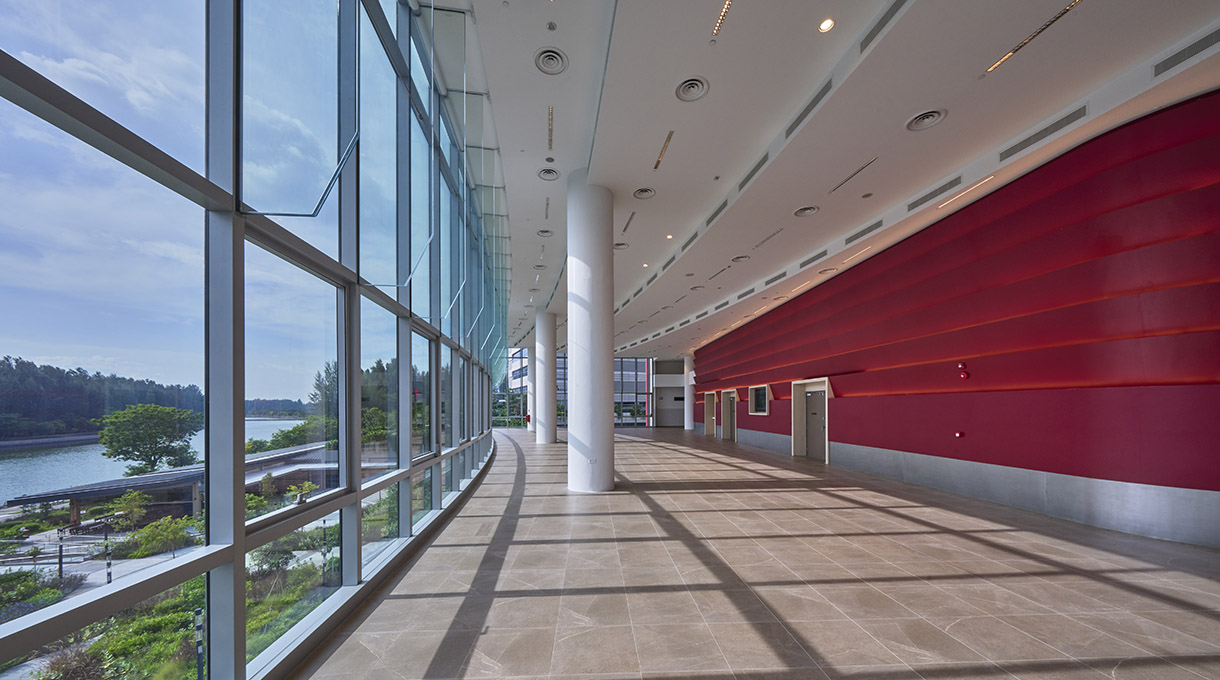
102, 268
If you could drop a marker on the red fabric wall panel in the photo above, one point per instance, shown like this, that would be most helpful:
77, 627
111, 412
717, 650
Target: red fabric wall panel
1086, 282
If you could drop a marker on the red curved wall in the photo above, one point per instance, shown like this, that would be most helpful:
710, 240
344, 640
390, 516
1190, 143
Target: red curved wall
1084, 299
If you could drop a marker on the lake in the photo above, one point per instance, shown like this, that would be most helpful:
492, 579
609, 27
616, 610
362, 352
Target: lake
24, 471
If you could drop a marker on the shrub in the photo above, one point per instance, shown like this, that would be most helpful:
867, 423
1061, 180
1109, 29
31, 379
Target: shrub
73, 663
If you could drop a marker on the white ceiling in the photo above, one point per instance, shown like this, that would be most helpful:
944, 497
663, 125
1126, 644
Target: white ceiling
615, 105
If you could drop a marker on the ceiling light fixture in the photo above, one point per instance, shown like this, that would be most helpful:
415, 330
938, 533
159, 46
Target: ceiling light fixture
826, 25
741, 258
1033, 35
857, 254
661, 156
669, 236
620, 246
972, 188
696, 287
539, 267
545, 233
644, 193
550, 128
780, 297
828, 270
645, 265
724, 12
806, 211
533, 290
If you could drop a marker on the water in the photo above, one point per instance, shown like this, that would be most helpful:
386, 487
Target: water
25, 471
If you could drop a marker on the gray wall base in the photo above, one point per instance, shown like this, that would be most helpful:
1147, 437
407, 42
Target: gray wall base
698, 428
779, 443
1185, 515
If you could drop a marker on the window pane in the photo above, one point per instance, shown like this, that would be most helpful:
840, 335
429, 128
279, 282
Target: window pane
143, 69
378, 160
445, 280
421, 220
290, 102
101, 283
378, 389
421, 395
421, 495
161, 637
378, 522
446, 400
287, 578
291, 358
420, 76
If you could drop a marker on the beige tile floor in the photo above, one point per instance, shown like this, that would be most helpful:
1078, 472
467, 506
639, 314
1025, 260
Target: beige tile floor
718, 561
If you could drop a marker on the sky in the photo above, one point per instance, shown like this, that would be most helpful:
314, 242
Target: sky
102, 268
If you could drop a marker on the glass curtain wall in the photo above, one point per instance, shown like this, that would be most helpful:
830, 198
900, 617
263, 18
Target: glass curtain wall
259, 326
632, 391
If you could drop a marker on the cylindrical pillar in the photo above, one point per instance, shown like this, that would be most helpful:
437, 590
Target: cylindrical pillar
590, 271
531, 389
688, 392
544, 385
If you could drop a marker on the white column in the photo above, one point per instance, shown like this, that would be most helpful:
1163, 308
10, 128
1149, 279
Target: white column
688, 392
590, 273
544, 385
532, 391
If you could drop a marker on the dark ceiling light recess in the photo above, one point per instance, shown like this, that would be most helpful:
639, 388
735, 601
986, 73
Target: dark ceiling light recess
828, 270
620, 246
644, 193
806, 211
691, 89
540, 267
550, 128
741, 258
548, 174
551, 61
1033, 35
924, 120
724, 12
696, 287
627, 224
545, 233
664, 148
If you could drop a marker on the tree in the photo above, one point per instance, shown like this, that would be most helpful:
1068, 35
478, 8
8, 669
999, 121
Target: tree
325, 395
150, 436
167, 533
132, 505
266, 486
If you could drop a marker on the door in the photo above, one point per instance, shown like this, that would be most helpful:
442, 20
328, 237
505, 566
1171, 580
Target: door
709, 414
815, 425
728, 418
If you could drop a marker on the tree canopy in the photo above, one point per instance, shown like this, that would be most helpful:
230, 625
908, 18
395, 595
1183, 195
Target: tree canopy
150, 436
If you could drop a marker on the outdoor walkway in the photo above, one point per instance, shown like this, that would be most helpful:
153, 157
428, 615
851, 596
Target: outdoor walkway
718, 561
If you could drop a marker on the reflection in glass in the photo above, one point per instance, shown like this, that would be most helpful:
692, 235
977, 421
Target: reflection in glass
378, 160
378, 390
446, 476
421, 395
291, 363
421, 221
378, 522
446, 400
421, 495
287, 578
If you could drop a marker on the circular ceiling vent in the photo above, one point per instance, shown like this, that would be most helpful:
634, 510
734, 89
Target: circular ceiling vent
691, 89
551, 61
544, 233
741, 258
620, 246
549, 174
644, 193
806, 211
925, 120
540, 267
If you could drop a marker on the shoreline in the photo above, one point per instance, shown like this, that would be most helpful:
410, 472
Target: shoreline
51, 440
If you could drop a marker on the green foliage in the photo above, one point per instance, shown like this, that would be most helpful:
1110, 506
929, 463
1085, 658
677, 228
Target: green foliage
150, 436
315, 429
38, 401
257, 446
255, 505
133, 505
303, 489
28, 590
166, 534
266, 486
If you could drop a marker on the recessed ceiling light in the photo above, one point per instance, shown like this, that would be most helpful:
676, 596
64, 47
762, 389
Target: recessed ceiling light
620, 246
925, 120
806, 211
545, 233
696, 287
644, 193
550, 159
828, 270
540, 267
868, 195
826, 25
645, 265
741, 258
668, 307
780, 297
549, 174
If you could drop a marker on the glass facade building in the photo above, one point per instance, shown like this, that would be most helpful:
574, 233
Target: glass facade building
254, 276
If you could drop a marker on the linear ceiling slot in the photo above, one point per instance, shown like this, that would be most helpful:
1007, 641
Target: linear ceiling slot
637, 292
625, 303
690, 241
754, 171
664, 148
683, 323
933, 194
651, 279
627, 225
723, 270
860, 170
1043, 133
863, 232
813, 259
1033, 35
746, 294
813, 104
775, 278
547, 214
700, 315
771, 236
721, 306
679, 300
670, 329
669, 262
717, 212
1192, 50
550, 128
881, 24
657, 334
